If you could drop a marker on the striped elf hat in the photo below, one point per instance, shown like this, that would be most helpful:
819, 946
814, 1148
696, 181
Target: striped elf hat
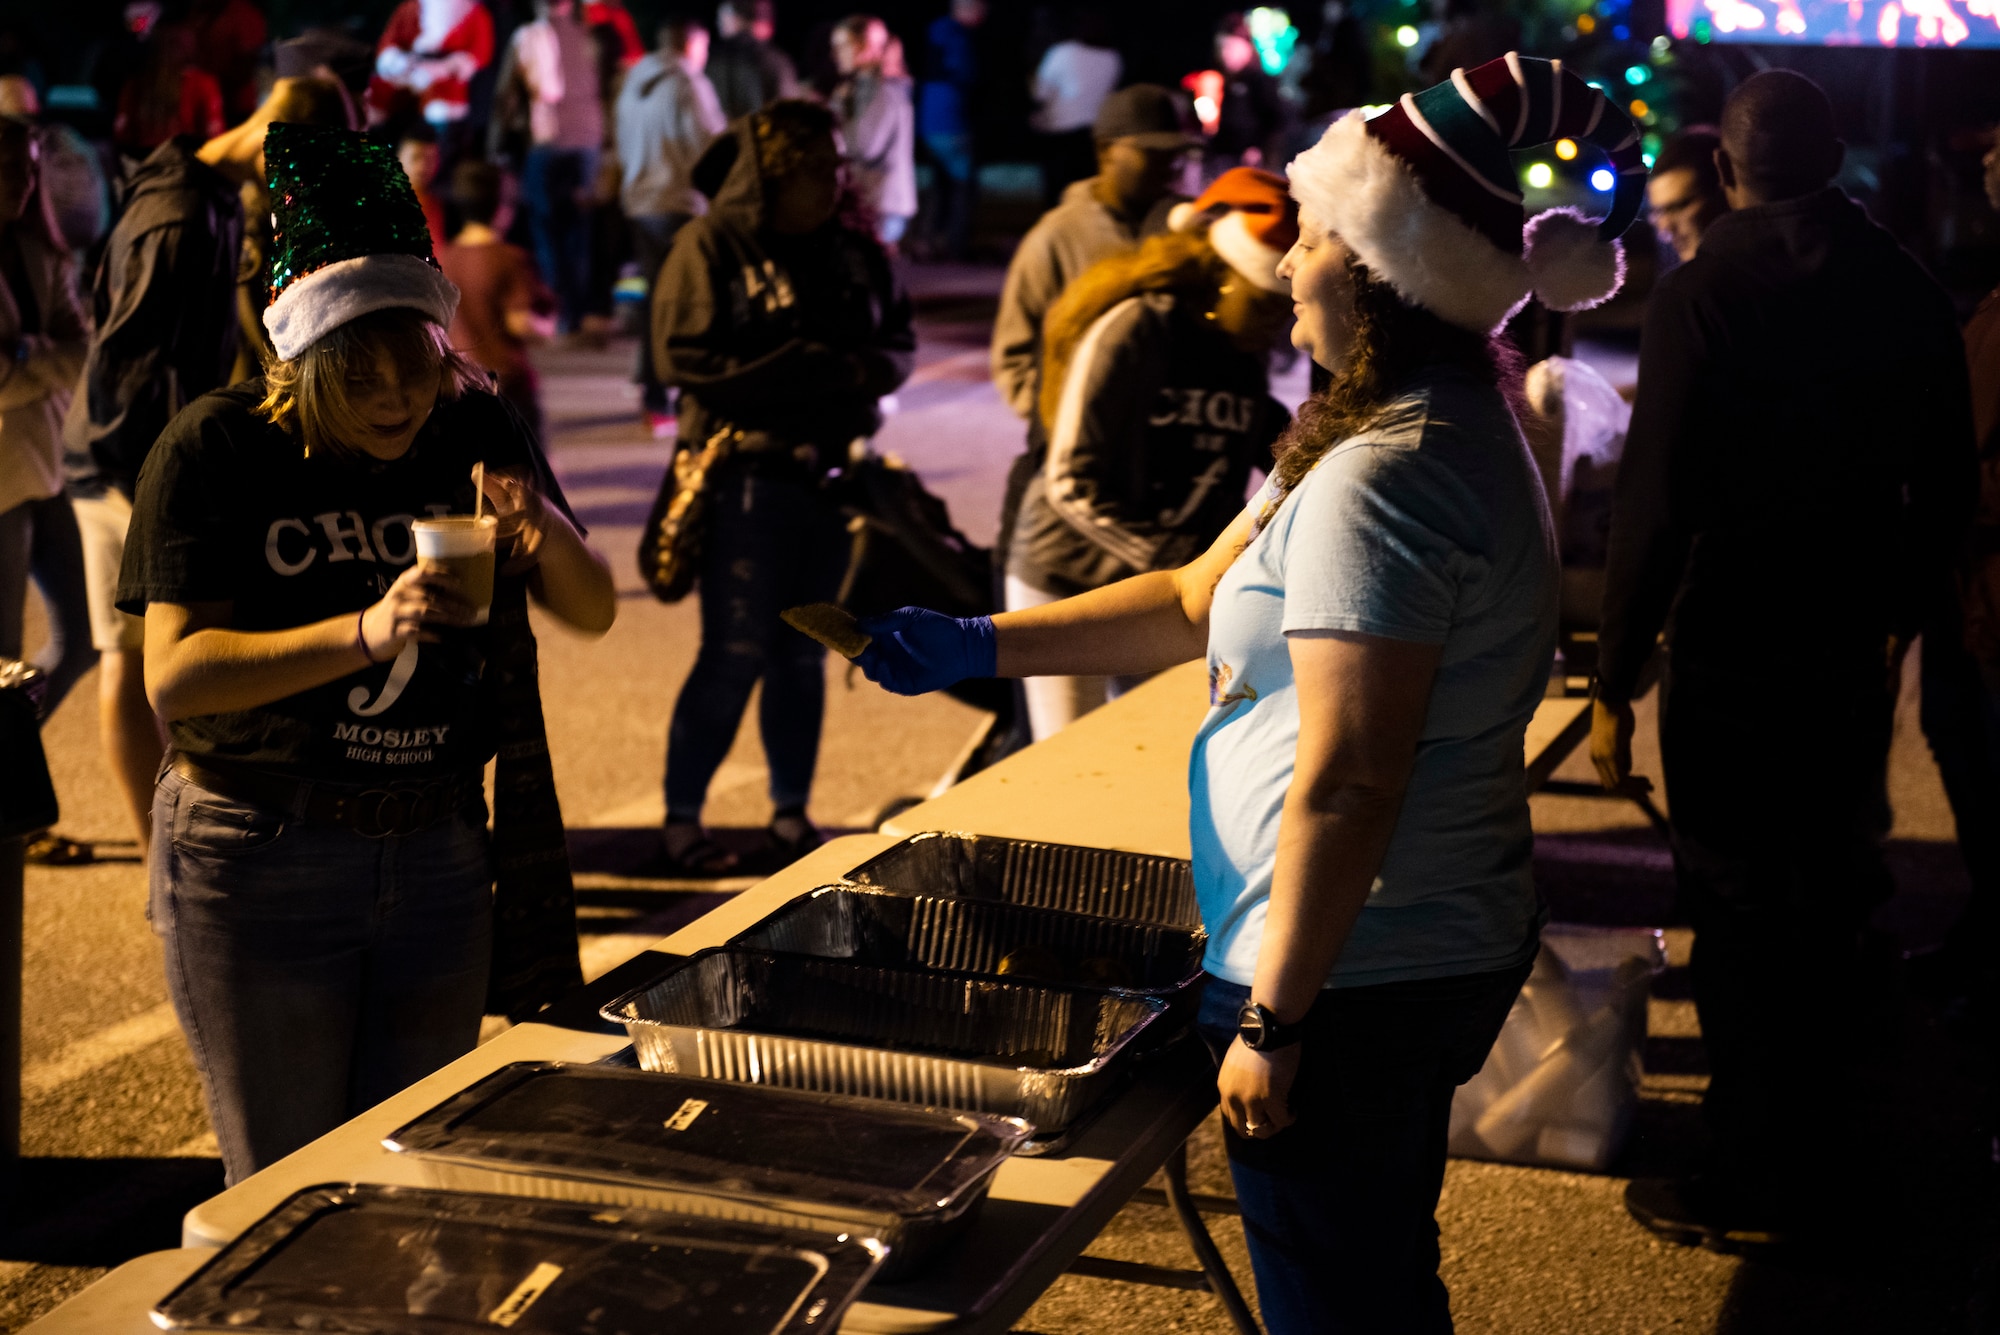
1426, 197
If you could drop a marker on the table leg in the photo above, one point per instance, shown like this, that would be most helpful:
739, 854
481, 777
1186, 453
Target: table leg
1220, 1281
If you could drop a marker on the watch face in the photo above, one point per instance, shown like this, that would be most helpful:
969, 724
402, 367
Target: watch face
1250, 1023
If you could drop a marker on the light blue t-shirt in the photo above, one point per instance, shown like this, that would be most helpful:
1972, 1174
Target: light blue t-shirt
1431, 527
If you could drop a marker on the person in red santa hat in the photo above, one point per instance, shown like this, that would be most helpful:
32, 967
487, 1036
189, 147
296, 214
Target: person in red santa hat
429, 53
1156, 400
1378, 628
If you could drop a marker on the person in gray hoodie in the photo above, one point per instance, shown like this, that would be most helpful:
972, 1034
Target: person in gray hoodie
666, 117
781, 324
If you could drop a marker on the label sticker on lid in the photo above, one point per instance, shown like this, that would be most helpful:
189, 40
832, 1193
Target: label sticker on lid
523, 1297
684, 1115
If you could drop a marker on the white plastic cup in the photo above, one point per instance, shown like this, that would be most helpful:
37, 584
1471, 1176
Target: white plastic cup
464, 546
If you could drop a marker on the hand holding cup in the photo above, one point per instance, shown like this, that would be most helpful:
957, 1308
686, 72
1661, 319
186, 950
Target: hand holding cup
423, 600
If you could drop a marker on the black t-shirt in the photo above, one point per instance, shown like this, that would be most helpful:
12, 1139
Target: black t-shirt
230, 510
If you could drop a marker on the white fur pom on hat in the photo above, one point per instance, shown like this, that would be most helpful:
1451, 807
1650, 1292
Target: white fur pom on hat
1425, 193
1252, 221
347, 237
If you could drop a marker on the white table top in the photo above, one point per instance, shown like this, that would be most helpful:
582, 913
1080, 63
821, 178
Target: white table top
1117, 777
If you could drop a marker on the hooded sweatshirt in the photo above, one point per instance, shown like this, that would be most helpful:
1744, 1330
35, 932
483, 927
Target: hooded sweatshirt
1161, 419
164, 304
1800, 464
791, 338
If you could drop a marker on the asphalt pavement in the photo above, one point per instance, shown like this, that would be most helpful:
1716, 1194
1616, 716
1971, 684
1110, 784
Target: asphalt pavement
117, 1142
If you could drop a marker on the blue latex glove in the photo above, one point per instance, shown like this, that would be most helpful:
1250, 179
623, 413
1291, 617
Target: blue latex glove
916, 651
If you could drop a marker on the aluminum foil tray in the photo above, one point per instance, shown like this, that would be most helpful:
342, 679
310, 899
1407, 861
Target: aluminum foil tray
412, 1261
1098, 881
1045, 1054
743, 1153
869, 926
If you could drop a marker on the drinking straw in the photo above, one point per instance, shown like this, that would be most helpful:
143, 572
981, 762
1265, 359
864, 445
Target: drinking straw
479, 489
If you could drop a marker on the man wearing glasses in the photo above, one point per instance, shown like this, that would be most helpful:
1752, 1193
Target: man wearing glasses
1685, 195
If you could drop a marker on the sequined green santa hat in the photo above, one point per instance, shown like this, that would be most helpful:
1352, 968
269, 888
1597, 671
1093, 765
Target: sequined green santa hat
347, 236
1425, 193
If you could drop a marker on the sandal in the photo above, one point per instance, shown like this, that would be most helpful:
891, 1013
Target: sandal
699, 857
49, 849
794, 847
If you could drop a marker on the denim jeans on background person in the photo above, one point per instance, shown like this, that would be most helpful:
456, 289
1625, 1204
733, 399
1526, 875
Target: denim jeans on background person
553, 182
773, 543
39, 540
314, 972
1339, 1209
652, 237
954, 193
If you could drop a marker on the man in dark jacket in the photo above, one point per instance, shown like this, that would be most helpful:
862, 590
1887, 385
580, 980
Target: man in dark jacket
782, 326
164, 305
1799, 469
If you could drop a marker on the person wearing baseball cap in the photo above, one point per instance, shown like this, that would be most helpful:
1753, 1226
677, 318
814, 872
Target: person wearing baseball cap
1143, 134
1156, 401
1378, 627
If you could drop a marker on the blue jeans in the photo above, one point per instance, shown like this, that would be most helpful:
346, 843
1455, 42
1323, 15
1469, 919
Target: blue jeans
314, 972
1340, 1207
652, 240
39, 541
773, 543
954, 191
553, 181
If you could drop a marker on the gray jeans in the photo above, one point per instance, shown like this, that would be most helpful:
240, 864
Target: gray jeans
315, 972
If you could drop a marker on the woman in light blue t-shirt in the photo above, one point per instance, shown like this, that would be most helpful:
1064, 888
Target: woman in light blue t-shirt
1379, 626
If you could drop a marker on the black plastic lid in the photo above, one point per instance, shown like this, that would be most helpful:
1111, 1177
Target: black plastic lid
751, 1141
408, 1261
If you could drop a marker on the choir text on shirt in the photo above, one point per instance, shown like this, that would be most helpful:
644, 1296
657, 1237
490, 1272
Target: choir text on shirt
291, 545
1200, 407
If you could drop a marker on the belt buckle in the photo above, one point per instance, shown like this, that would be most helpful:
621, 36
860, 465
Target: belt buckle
388, 813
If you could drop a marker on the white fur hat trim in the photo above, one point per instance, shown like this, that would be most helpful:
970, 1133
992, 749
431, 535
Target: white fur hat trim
1230, 235
1356, 188
327, 298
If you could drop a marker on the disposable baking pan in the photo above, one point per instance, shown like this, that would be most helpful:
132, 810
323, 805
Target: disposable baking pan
1042, 1053
746, 1153
869, 926
1098, 881
414, 1261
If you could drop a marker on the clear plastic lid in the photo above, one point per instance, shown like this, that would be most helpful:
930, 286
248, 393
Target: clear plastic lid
641, 1128
409, 1261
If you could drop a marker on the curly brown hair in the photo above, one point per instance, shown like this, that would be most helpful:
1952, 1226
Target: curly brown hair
1393, 342
1169, 262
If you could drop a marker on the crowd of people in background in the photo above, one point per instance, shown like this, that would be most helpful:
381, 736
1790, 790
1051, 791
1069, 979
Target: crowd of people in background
1809, 481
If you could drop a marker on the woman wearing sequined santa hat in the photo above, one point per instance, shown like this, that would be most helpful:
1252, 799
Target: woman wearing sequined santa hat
1156, 403
1379, 627
334, 915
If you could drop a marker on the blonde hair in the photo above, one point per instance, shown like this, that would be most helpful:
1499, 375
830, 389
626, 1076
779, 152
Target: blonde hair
307, 395
1169, 261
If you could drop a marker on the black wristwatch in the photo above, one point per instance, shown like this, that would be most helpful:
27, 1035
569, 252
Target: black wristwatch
1261, 1031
